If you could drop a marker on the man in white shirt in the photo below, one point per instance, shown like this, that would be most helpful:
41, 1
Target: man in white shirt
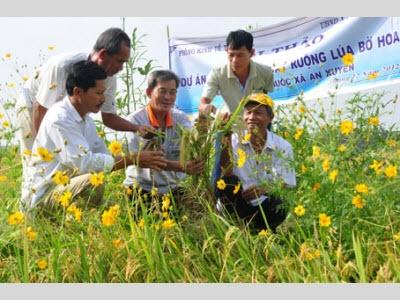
239, 78
47, 87
162, 116
260, 159
67, 145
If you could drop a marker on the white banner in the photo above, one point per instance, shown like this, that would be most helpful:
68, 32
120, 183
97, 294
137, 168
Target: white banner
305, 54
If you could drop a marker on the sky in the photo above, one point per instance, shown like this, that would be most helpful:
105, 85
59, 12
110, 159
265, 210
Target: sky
27, 39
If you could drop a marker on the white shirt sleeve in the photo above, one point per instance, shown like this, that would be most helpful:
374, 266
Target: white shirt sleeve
211, 87
109, 104
283, 168
52, 85
75, 150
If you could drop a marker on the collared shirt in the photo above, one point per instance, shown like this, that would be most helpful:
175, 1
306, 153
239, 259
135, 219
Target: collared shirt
148, 178
48, 85
271, 164
223, 80
74, 144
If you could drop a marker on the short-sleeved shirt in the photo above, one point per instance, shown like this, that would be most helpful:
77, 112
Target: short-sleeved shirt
74, 144
48, 85
148, 178
222, 80
274, 162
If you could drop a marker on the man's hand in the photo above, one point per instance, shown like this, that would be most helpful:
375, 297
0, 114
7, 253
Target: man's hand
207, 109
194, 167
152, 159
253, 192
146, 132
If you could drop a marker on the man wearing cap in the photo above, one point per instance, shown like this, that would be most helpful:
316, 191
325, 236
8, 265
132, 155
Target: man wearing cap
239, 78
252, 161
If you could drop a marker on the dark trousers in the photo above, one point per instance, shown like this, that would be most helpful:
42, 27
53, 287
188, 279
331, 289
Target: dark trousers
272, 208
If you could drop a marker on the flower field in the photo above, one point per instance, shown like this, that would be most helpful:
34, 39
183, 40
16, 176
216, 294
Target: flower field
343, 223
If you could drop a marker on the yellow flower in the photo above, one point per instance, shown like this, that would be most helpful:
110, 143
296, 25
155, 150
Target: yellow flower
65, 198
117, 243
357, 201
302, 109
246, 137
221, 185
282, 69
299, 210
140, 224
316, 187
376, 166
3, 178
168, 224
129, 191
7, 55
298, 133
391, 171
346, 127
6, 124
348, 59
75, 211
324, 220
303, 168
325, 165
60, 178
115, 148
396, 236
263, 233
11, 85
154, 191
96, 179
391, 143
374, 121
333, 175
373, 75
242, 158
109, 216
42, 264
361, 188
166, 202
236, 189
342, 148
316, 152
1, 116
44, 154
16, 218
25, 78
51, 47
31, 234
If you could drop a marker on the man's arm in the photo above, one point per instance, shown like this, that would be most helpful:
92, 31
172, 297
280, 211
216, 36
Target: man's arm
144, 159
117, 123
38, 112
192, 167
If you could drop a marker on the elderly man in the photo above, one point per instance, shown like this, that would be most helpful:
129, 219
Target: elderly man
68, 155
162, 116
47, 87
251, 163
239, 78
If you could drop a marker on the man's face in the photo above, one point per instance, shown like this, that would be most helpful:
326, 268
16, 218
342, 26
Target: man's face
113, 63
256, 117
94, 98
163, 95
239, 59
